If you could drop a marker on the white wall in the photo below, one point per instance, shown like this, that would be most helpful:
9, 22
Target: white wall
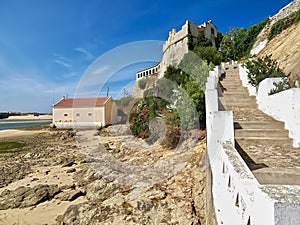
283, 106
238, 198
244, 78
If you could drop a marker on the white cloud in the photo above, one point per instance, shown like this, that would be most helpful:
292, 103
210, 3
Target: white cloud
85, 52
62, 63
61, 60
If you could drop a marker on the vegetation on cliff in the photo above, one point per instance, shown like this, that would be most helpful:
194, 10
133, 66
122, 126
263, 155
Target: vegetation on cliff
204, 48
238, 42
177, 99
283, 24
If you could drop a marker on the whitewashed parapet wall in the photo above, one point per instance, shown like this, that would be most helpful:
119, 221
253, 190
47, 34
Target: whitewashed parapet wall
238, 198
283, 106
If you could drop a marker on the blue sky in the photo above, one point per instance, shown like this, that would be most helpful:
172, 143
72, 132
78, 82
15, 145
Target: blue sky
48, 46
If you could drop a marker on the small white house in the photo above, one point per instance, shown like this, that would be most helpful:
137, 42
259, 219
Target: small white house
84, 112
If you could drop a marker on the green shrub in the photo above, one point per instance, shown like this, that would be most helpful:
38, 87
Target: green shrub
262, 68
280, 86
210, 54
283, 24
142, 83
140, 128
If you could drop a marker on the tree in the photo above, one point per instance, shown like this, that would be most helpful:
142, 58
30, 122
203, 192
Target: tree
226, 48
202, 40
219, 39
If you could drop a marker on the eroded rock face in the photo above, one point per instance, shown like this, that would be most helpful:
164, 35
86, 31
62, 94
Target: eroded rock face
177, 198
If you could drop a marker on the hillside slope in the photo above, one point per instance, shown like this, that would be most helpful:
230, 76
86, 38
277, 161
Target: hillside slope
285, 48
284, 12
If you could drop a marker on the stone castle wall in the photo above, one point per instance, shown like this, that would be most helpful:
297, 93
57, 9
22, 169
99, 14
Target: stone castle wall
177, 44
173, 55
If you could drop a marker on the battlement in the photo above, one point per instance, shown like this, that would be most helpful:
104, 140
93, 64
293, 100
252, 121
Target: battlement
209, 28
176, 46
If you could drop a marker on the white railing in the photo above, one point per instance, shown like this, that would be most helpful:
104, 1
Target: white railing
283, 106
238, 198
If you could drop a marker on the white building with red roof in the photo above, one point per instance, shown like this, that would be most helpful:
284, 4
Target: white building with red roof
84, 112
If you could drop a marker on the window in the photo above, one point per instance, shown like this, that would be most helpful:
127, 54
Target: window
77, 114
65, 114
212, 31
89, 114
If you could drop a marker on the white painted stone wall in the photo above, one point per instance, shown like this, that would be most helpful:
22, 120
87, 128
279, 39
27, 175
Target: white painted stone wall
79, 125
244, 78
238, 198
283, 106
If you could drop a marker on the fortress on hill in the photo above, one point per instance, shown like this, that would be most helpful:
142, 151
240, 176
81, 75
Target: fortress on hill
176, 46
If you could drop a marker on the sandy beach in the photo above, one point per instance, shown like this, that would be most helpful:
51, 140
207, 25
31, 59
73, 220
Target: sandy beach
14, 133
30, 117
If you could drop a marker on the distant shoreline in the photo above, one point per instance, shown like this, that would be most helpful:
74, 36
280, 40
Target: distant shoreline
29, 117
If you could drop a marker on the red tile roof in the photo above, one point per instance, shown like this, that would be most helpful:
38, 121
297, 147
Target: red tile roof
82, 102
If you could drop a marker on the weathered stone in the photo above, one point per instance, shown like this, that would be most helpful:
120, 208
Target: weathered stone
25, 196
69, 195
71, 170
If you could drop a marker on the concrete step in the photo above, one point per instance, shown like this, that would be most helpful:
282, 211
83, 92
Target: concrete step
231, 80
228, 82
233, 86
285, 143
260, 118
261, 133
236, 92
241, 96
278, 175
234, 89
240, 104
241, 99
259, 125
238, 95
229, 90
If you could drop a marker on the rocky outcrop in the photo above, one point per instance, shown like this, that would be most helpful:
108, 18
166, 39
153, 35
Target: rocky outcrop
177, 198
25, 196
124, 180
138, 92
